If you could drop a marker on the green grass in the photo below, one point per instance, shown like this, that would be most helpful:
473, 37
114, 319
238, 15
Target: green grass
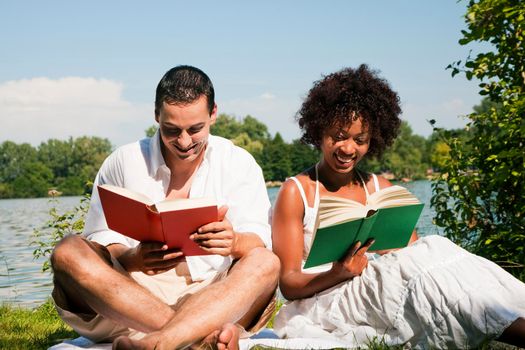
23, 328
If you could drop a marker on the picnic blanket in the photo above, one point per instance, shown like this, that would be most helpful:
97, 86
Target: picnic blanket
264, 338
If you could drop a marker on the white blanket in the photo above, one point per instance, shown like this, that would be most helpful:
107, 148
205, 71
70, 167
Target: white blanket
266, 337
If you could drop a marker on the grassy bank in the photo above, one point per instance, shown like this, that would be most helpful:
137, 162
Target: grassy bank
22, 328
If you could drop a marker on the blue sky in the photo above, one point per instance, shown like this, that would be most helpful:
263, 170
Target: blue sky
71, 68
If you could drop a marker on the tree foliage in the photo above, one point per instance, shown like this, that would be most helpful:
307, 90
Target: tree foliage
65, 166
479, 199
407, 158
277, 158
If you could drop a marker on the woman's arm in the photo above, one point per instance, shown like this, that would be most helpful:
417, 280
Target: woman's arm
288, 236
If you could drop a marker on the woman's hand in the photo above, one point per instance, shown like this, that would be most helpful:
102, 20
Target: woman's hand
354, 262
150, 257
217, 237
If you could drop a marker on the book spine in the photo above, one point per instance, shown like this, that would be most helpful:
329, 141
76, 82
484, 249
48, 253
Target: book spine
366, 228
155, 228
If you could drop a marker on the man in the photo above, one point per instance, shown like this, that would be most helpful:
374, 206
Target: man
109, 287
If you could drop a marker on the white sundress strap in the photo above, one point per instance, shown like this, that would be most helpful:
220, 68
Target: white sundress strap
376, 182
317, 198
301, 191
364, 184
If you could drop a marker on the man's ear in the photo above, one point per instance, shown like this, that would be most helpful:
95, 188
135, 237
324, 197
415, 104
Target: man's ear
213, 115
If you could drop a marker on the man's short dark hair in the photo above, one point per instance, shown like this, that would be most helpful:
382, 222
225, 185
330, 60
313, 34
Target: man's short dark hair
184, 85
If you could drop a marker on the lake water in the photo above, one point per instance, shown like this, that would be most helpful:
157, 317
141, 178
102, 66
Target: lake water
23, 283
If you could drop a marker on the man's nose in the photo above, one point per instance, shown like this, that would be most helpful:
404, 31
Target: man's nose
184, 140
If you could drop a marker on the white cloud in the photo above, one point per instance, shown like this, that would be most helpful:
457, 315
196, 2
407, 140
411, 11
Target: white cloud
35, 110
267, 96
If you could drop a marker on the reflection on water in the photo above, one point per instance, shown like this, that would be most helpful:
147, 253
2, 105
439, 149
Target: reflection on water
21, 280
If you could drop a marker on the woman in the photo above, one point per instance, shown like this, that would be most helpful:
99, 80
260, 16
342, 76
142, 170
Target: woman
429, 294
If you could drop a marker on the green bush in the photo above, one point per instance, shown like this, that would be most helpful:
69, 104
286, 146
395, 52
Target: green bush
479, 198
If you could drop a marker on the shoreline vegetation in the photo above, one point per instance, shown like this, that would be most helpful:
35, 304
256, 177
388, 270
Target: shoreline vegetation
65, 167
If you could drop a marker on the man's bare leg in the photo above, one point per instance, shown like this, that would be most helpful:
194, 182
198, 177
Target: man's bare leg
93, 286
252, 279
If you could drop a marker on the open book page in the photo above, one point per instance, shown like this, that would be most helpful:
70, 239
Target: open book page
335, 210
393, 196
165, 205
139, 197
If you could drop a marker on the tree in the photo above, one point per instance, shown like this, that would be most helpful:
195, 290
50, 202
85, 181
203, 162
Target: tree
480, 198
245, 141
34, 180
256, 130
275, 160
12, 159
74, 162
151, 130
230, 127
302, 156
226, 126
407, 158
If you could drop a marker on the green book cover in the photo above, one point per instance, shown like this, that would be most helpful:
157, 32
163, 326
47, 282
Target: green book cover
389, 227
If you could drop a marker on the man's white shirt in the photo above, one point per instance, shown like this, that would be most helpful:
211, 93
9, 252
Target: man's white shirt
228, 173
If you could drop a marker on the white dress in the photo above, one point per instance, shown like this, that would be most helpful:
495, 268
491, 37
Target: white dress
432, 294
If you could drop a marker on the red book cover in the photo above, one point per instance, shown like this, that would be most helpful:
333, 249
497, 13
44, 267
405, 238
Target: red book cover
136, 216
178, 225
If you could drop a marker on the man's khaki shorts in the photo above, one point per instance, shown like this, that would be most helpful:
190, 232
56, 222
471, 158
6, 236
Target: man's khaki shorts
172, 287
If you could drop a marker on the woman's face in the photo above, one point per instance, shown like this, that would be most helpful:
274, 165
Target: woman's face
343, 147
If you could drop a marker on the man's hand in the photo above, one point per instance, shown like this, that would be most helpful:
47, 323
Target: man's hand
150, 258
217, 237
354, 262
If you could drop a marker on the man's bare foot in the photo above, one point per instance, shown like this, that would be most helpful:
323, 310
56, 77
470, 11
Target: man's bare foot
227, 338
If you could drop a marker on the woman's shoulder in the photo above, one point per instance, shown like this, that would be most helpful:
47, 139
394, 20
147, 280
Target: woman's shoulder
291, 188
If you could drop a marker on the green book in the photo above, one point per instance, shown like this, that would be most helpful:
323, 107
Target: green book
389, 217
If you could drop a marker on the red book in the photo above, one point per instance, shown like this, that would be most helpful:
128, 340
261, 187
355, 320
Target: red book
170, 221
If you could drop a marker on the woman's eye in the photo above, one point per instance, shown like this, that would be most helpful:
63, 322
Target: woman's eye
339, 137
361, 140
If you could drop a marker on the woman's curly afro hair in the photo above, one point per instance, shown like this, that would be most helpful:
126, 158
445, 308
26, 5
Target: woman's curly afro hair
339, 97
